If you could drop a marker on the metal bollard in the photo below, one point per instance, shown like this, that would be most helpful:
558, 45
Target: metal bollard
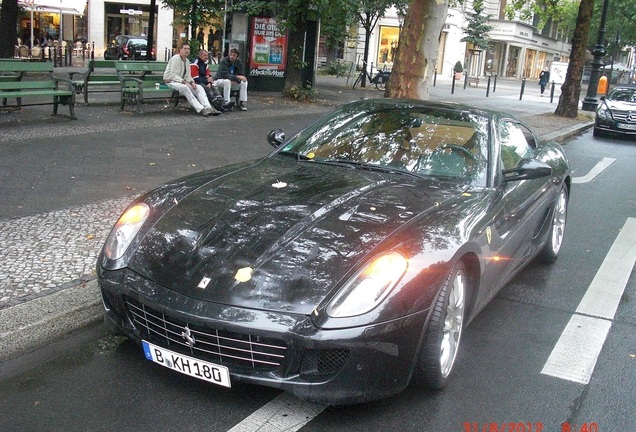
488, 87
523, 86
465, 80
453, 84
434, 77
494, 85
552, 91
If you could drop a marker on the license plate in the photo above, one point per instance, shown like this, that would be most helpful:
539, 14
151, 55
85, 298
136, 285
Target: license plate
627, 126
143, 53
187, 365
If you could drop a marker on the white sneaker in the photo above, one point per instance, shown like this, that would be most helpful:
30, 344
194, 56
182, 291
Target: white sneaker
205, 112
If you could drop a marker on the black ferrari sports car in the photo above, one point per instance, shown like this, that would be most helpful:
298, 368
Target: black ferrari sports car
345, 264
616, 113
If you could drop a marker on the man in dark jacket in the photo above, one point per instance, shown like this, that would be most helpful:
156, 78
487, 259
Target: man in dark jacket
231, 68
201, 74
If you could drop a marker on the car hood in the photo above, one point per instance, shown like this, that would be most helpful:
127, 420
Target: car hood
620, 105
280, 235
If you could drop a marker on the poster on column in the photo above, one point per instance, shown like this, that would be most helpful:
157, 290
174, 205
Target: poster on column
269, 48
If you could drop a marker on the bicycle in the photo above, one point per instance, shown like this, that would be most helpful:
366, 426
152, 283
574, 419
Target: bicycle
379, 79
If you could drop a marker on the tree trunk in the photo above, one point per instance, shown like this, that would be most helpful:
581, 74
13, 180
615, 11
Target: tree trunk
8, 28
570, 91
416, 57
293, 72
365, 56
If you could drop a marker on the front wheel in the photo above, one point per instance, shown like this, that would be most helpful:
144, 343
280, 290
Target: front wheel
380, 84
552, 247
443, 334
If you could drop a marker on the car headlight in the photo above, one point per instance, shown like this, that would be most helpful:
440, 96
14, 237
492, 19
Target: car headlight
369, 286
125, 230
604, 112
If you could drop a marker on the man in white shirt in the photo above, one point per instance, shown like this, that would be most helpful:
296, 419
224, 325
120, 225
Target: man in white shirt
177, 76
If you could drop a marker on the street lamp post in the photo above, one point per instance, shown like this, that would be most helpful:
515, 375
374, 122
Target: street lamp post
590, 103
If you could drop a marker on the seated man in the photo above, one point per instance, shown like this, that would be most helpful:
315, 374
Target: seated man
231, 69
201, 74
177, 77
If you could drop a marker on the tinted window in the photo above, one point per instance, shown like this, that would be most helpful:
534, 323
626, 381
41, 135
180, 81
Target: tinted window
623, 94
515, 145
444, 143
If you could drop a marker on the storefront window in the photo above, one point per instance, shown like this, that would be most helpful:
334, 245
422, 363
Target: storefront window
389, 37
494, 54
513, 61
122, 20
530, 65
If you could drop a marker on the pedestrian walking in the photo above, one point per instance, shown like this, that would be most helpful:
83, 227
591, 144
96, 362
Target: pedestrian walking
544, 78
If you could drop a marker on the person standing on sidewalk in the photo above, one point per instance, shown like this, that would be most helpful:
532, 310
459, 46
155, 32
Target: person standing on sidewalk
177, 77
544, 78
231, 68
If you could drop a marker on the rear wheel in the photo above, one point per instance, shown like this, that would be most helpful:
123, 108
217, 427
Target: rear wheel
443, 334
380, 84
552, 247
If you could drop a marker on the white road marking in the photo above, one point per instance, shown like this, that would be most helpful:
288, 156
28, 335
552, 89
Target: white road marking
602, 297
574, 356
284, 413
598, 168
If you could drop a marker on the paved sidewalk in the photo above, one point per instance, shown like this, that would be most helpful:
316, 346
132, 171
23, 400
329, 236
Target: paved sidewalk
63, 183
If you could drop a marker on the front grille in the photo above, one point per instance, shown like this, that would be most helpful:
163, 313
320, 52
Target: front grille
324, 361
217, 346
624, 116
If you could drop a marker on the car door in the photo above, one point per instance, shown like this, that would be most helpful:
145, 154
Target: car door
524, 203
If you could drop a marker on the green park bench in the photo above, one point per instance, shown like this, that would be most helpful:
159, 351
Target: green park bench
141, 80
35, 80
99, 76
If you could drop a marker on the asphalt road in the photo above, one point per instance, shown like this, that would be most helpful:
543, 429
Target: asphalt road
91, 381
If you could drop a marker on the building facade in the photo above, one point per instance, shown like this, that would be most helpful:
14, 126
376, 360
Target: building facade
517, 49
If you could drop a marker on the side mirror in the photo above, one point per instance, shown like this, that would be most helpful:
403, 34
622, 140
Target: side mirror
526, 170
276, 137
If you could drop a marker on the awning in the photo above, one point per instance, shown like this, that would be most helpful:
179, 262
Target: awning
67, 7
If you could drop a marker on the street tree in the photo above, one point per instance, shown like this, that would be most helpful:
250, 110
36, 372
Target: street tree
196, 13
368, 13
8, 27
477, 27
570, 91
416, 57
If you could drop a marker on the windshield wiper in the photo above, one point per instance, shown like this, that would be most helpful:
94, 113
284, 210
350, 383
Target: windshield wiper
370, 167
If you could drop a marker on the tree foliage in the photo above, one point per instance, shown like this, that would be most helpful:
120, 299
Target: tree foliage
477, 27
196, 13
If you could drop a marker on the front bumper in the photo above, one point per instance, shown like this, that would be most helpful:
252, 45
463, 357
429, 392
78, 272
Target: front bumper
278, 350
613, 126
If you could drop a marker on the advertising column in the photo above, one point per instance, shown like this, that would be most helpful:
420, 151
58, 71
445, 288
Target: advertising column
269, 54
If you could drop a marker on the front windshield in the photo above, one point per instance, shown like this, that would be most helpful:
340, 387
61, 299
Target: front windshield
623, 94
450, 144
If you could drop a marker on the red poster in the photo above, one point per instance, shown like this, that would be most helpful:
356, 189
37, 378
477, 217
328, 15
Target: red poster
269, 48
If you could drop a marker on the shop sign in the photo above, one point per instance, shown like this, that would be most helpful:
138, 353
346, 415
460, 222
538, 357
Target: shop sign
269, 48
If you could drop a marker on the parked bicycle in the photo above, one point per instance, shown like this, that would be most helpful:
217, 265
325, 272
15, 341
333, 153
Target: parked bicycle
379, 79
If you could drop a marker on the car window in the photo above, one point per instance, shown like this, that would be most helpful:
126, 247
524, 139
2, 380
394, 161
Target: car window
444, 143
623, 94
137, 42
515, 144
